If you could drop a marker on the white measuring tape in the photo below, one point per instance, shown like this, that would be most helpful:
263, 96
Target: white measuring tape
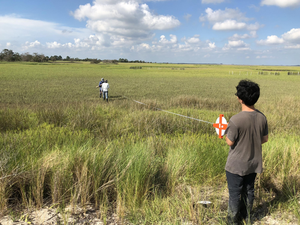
220, 125
174, 113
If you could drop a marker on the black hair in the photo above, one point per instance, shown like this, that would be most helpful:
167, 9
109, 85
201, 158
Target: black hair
248, 91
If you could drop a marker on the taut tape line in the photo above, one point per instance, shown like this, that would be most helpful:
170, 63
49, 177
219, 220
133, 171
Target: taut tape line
188, 117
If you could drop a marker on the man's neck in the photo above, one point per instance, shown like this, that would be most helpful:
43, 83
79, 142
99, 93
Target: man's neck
248, 108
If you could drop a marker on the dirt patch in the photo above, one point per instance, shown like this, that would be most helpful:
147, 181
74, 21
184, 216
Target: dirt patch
79, 216
71, 215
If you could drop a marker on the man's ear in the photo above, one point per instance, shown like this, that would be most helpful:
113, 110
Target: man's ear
240, 100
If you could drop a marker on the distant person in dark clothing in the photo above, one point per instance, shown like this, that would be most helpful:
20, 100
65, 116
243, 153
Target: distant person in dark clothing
245, 134
100, 86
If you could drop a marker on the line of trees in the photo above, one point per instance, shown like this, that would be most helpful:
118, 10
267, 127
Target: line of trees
126, 61
11, 56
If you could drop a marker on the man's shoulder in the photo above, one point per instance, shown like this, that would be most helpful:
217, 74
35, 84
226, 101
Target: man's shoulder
259, 112
242, 117
238, 116
243, 114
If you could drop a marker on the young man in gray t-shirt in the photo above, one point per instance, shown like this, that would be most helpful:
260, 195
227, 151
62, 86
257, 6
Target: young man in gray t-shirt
245, 134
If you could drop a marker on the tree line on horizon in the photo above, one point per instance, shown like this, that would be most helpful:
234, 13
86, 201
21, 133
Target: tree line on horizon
11, 56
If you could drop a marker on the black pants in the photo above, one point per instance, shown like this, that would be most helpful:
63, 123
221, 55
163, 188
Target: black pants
241, 196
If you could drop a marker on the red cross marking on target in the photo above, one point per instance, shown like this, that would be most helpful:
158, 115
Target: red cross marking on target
220, 125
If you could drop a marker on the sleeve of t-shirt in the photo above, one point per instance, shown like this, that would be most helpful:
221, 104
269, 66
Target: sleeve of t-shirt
266, 130
231, 131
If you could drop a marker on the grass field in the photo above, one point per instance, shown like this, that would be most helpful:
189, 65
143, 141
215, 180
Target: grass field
63, 145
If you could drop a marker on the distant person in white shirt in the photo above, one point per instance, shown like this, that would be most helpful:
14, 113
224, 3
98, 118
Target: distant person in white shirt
105, 87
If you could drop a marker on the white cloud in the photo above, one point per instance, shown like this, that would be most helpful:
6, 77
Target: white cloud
212, 1
281, 3
188, 48
32, 44
194, 44
237, 45
229, 25
234, 25
293, 35
94, 42
8, 44
193, 40
144, 47
53, 45
290, 39
236, 37
271, 40
228, 19
163, 39
212, 45
157, 22
244, 49
127, 19
69, 45
17, 28
190, 44
222, 15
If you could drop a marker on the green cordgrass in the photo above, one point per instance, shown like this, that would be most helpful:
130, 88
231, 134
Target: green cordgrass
61, 144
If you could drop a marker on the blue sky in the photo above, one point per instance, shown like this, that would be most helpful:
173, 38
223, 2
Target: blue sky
256, 32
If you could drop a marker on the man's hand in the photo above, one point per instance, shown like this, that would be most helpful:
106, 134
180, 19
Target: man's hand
264, 139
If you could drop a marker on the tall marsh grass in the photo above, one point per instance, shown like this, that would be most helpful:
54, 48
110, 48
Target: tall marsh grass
147, 166
104, 158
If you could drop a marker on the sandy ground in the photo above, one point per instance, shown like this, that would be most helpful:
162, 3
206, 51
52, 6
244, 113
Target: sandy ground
47, 216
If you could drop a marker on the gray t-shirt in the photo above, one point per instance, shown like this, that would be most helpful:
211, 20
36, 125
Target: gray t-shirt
246, 130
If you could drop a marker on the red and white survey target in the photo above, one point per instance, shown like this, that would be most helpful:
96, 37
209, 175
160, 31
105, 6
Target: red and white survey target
220, 125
